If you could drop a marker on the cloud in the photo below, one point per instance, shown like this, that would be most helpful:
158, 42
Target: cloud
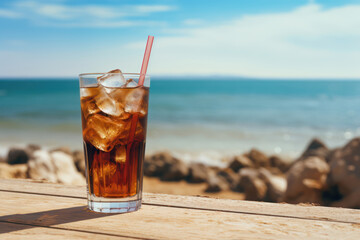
193, 22
307, 42
5, 13
153, 8
60, 14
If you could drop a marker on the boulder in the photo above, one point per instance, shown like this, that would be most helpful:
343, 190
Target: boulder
345, 168
278, 163
62, 149
306, 180
31, 148
239, 162
18, 156
175, 170
41, 167
251, 184
198, 173
258, 158
215, 183
154, 166
165, 166
276, 185
316, 148
12, 171
79, 160
65, 169
351, 200
229, 176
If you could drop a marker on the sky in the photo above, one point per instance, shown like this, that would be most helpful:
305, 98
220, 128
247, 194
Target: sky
258, 38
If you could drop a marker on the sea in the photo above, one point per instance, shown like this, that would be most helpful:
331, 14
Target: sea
203, 119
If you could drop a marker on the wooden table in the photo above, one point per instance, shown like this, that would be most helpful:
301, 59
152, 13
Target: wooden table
31, 210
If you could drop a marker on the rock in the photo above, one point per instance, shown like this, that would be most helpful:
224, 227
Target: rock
175, 170
65, 169
31, 148
79, 160
12, 171
229, 176
316, 144
345, 168
198, 173
258, 158
215, 183
316, 148
351, 200
18, 156
239, 162
165, 166
306, 180
278, 163
56, 167
41, 167
62, 149
250, 183
154, 166
276, 185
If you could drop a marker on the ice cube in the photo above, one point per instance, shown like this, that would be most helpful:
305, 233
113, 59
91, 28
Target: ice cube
108, 169
136, 102
103, 132
131, 83
107, 104
139, 133
89, 107
120, 154
112, 79
88, 92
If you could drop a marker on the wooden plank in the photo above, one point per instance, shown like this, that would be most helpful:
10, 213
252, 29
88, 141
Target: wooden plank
13, 231
156, 222
245, 207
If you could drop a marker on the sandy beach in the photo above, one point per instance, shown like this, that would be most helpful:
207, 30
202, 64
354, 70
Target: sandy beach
154, 185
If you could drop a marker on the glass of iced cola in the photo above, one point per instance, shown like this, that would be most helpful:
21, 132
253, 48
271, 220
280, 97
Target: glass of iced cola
114, 117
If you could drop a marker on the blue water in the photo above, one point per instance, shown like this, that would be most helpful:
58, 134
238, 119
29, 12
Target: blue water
193, 115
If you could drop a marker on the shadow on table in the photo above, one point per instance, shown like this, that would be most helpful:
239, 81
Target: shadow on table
47, 218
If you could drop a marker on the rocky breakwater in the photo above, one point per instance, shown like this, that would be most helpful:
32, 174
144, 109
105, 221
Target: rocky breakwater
322, 176
258, 176
57, 165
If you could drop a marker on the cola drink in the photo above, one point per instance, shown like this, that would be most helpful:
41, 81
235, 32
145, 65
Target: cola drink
114, 121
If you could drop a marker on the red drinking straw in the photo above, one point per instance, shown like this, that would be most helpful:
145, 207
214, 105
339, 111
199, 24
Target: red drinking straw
141, 83
145, 60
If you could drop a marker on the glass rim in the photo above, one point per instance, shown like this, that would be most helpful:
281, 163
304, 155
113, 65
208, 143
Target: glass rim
93, 74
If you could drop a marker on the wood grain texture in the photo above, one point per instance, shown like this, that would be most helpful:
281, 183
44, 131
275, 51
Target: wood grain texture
154, 222
20, 231
234, 206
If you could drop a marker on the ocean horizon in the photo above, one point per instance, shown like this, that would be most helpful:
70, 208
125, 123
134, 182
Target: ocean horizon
201, 120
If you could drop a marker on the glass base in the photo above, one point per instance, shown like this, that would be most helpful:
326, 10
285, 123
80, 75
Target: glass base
114, 207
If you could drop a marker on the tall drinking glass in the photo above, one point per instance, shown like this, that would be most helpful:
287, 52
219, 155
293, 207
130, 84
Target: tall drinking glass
114, 121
